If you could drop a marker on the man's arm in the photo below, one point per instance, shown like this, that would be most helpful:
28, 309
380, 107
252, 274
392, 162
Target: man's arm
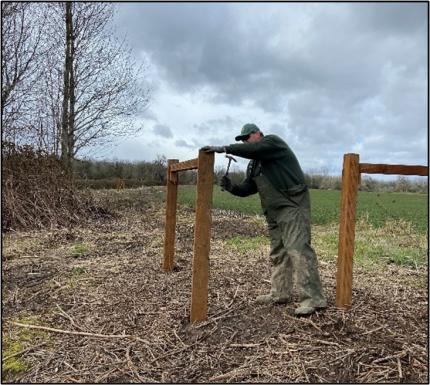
219, 149
269, 147
244, 189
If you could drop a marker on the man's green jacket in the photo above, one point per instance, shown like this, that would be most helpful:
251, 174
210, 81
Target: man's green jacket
278, 162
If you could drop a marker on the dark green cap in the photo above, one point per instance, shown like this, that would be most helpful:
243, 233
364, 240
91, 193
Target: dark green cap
247, 130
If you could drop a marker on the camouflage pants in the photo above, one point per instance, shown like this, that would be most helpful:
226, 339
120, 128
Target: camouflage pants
293, 258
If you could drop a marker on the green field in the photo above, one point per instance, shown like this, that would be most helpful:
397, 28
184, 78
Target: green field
375, 208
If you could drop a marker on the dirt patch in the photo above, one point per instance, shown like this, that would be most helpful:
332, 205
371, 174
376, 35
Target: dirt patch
129, 319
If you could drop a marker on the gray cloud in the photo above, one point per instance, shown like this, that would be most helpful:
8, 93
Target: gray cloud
224, 124
183, 143
149, 115
208, 44
162, 130
333, 76
393, 18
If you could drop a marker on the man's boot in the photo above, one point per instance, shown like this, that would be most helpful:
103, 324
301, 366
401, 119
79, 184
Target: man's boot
309, 306
271, 299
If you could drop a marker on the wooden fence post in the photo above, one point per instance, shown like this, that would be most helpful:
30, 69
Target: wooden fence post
350, 182
170, 229
202, 229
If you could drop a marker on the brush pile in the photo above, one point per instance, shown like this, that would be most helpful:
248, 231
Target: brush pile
36, 191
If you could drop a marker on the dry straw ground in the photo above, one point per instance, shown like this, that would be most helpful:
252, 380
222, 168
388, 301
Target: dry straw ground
91, 304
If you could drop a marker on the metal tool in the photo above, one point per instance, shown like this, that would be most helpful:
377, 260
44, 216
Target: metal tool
230, 158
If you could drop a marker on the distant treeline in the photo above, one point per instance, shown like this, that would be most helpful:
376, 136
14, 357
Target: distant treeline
125, 174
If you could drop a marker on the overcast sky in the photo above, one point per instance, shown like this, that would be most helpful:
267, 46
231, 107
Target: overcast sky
328, 78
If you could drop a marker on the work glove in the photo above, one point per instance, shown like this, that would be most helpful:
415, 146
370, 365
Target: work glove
226, 183
213, 149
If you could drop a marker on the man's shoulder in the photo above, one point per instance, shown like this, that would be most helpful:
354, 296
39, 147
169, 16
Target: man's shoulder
273, 138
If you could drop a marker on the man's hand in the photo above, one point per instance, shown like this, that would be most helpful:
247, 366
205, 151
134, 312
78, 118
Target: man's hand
213, 149
226, 183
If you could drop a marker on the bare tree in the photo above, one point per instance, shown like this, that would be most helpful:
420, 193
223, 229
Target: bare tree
22, 28
78, 83
101, 90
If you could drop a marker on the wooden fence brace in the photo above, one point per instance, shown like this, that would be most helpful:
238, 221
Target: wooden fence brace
350, 181
351, 174
205, 177
170, 226
202, 229
186, 165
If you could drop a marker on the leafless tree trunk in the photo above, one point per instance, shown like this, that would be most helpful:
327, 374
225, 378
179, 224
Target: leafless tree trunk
67, 123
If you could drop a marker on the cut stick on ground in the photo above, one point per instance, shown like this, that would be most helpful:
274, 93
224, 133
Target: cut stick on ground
95, 335
245, 345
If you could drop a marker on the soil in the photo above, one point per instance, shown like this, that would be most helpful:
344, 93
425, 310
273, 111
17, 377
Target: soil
116, 317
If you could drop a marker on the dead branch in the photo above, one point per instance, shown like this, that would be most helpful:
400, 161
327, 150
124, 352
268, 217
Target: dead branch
95, 335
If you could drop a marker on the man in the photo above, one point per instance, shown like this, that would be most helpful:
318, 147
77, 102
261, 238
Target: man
276, 175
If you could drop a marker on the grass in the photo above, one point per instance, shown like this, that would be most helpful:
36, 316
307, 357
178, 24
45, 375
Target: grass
394, 243
13, 343
79, 250
375, 208
78, 270
391, 228
245, 244
14, 365
24, 244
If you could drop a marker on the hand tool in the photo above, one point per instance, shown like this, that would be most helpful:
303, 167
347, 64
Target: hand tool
230, 158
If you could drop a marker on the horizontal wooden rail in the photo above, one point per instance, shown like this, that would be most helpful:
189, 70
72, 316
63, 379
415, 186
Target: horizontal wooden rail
186, 165
396, 169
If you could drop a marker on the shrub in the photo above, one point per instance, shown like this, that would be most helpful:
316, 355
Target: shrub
37, 192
